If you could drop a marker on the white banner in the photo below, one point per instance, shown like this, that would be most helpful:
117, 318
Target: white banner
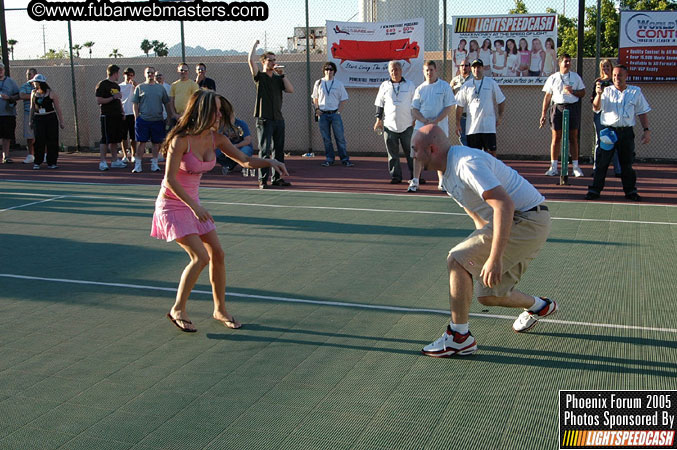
648, 45
515, 49
362, 50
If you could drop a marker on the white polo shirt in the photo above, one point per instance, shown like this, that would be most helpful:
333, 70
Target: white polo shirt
555, 85
431, 99
470, 173
620, 108
329, 94
395, 99
478, 98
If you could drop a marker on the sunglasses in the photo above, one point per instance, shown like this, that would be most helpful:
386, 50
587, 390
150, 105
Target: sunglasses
466, 65
329, 68
150, 73
183, 70
200, 70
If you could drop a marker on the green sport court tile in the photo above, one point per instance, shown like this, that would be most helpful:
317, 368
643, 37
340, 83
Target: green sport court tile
122, 426
69, 418
365, 363
34, 438
299, 442
181, 433
160, 403
84, 442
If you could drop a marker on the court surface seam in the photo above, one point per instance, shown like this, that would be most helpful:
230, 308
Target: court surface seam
401, 309
330, 208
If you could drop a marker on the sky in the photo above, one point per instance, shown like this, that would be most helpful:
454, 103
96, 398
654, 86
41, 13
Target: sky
284, 15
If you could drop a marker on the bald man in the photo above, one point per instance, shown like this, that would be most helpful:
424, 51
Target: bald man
511, 225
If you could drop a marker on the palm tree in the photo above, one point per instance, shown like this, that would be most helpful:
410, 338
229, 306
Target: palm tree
115, 54
89, 45
146, 46
11, 43
155, 45
160, 48
76, 49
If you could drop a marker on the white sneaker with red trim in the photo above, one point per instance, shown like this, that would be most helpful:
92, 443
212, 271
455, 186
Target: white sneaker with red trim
451, 343
528, 319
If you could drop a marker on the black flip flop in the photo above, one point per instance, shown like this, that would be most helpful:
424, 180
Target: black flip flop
176, 322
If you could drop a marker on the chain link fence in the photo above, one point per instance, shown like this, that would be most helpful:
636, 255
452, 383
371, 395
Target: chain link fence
290, 31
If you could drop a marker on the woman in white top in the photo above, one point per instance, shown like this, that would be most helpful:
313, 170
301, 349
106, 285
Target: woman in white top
513, 59
474, 52
460, 55
499, 60
537, 58
486, 55
550, 65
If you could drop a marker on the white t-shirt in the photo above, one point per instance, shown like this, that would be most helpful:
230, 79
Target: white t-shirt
329, 94
619, 108
127, 89
471, 172
478, 98
395, 99
555, 85
431, 99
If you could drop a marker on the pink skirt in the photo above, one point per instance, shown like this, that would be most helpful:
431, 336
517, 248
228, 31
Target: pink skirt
172, 220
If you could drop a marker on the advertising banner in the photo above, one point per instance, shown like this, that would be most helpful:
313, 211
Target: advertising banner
648, 45
515, 49
362, 50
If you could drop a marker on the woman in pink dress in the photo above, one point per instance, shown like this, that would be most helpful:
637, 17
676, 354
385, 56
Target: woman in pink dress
189, 149
525, 57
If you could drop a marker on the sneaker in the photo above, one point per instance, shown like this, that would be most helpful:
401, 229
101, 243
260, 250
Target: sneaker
413, 186
53, 166
327, 163
309, 155
552, 172
29, 159
578, 172
591, 196
133, 159
225, 170
103, 165
281, 182
36, 166
528, 319
347, 164
118, 164
137, 167
125, 160
154, 165
451, 343
634, 197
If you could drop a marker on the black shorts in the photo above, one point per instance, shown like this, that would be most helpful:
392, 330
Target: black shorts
111, 129
7, 127
574, 115
128, 127
482, 141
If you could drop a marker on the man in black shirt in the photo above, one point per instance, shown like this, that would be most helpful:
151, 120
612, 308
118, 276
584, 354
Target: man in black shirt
270, 83
202, 80
108, 96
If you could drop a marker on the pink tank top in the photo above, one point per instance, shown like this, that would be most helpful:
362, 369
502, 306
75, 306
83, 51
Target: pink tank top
190, 172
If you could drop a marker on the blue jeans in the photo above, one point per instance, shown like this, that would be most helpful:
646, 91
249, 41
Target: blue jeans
225, 161
334, 122
614, 160
271, 143
464, 139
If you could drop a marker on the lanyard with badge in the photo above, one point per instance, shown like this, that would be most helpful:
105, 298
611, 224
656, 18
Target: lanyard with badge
476, 91
330, 87
396, 90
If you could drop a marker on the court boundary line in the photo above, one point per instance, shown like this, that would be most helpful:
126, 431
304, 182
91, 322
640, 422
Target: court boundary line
33, 203
402, 309
302, 191
336, 208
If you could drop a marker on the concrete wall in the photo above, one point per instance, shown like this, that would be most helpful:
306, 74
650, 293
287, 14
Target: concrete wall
518, 136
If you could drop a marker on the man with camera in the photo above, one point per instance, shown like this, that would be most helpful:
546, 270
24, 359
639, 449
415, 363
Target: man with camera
9, 94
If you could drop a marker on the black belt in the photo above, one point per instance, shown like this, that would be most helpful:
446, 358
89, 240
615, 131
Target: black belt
620, 128
333, 111
537, 208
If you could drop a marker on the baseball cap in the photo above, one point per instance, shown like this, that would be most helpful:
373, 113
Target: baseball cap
477, 62
607, 139
129, 70
39, 78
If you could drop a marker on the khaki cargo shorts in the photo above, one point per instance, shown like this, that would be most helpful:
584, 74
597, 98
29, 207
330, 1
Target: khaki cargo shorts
529, 232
